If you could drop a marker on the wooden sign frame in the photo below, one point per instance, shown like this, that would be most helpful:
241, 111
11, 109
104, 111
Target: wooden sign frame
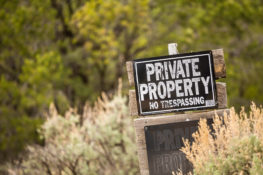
220, 72
140, 123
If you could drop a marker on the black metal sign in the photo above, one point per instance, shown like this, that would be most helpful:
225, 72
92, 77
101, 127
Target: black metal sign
175, 83
163, 143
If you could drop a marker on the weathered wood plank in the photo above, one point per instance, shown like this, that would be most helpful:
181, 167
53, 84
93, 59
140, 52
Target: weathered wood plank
133, 103
221, 95
140, 123
221, 98
219, 65
129, 67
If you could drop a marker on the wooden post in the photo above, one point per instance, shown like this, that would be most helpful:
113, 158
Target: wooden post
172, 49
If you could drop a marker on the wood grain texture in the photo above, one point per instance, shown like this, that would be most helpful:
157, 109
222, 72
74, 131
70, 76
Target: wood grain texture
129, 67
221, 98
219, 66
140, 123
133, 103
219, 63
221, 95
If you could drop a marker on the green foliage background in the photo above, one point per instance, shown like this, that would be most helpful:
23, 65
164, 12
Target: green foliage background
69, 51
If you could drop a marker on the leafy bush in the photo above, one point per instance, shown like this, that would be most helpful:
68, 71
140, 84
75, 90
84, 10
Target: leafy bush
234, 147
100, 141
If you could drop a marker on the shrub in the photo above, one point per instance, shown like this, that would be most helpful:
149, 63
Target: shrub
234, 147
100, 141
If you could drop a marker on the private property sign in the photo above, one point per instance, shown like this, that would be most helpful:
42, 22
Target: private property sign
175, 83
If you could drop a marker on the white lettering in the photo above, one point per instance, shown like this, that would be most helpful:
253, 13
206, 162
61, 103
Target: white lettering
188, 87
149, 71
158, 71
195, 67
170, 87
178, 87
180, 69
152, 91
205, 83
143, 90
196, 80
161, 90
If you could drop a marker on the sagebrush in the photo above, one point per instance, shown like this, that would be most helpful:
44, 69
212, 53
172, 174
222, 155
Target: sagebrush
100, 141
235, 146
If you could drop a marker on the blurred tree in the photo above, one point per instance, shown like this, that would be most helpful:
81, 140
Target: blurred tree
110, 37
20, 36
30, 76
16, 129
43, 80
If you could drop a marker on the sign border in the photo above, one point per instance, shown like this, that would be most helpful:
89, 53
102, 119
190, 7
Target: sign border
177, 56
